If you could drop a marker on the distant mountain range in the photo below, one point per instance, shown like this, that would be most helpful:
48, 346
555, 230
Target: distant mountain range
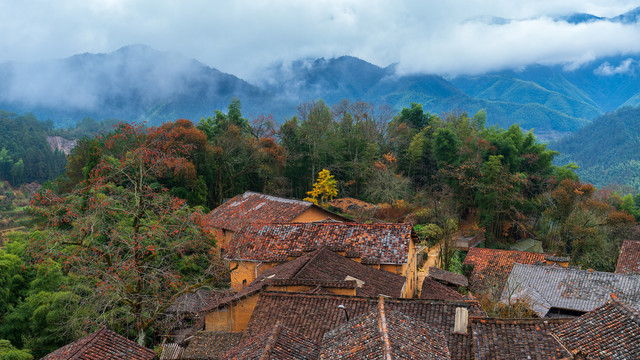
607, 150
137, 83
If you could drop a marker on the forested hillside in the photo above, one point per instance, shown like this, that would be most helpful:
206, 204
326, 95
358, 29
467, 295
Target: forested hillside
25, 155
607, 151
122, 233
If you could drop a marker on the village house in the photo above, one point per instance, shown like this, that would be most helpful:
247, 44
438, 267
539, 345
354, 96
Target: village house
434, 290
261, 246
629, 259
314, 315
280, 342
228, 218
448, 278
102, 344
328, 326
552, 291
497, 338
210, 345
491, 267
384, 334
611, 331
320, 271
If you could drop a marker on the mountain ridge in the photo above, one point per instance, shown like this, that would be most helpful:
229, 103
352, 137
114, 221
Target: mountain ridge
138, 83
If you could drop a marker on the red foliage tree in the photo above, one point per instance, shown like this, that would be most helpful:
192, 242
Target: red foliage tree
134, 246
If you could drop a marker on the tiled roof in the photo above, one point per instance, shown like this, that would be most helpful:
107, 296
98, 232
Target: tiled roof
195, 302
629, 259
350, 205
507, 339
384, 335
433, 290
325, 269
383, 243
102, 344
548, 287
448, 277
278, 343
312, 315
611, 331
210, 345
252, 206
491, 267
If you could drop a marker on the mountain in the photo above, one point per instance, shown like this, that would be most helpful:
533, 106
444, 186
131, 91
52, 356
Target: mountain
135, 83
607, 150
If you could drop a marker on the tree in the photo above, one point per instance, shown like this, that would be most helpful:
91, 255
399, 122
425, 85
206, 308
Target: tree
324, 189
385, 186
134, 246
9, 352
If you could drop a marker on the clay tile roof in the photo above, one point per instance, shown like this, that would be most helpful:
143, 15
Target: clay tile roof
252, 206
312, 315
102, 344
192, 303
448, 277
386, 243
350, 205
210, 345
516, 339
326, 269
546, 287
433, 290
278, 343
611, 331
384, 334
629, 260
491, 267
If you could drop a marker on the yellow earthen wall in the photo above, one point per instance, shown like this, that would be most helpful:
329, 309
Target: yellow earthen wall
234, 317
315, 214
247, 271
223, 237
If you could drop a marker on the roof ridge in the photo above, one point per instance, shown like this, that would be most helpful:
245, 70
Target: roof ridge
370, 298
90, 339
382, 326
306, 263
277, 198
320, 223
271, 341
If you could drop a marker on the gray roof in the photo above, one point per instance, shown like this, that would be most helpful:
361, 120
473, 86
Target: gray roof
547, 287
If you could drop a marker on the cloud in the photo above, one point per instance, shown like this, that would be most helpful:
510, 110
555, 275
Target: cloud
244, 36
607, 69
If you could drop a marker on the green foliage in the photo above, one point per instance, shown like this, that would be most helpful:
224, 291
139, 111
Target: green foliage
446, 147
9, 352
25, 155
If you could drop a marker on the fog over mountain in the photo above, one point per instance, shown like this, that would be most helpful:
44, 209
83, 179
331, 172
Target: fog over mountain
240, 37
553, 94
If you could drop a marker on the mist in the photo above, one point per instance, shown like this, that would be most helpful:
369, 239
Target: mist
243, 37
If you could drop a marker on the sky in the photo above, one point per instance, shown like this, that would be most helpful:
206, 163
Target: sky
243, 37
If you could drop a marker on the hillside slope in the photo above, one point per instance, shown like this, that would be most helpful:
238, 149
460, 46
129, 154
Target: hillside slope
607, 151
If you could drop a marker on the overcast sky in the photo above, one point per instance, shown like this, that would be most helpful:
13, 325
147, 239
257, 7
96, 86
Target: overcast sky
240, 36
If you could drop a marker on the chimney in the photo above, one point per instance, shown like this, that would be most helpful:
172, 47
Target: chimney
462, 320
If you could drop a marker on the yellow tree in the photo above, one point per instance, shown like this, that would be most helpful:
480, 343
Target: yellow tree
324, 189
